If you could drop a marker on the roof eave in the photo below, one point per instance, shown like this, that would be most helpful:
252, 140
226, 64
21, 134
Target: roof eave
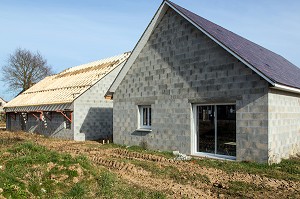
286, 88
30, 105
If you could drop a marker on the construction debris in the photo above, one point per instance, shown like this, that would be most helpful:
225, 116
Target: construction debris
181, 156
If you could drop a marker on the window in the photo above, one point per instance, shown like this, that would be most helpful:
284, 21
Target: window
216, 129
0, 103
145, 117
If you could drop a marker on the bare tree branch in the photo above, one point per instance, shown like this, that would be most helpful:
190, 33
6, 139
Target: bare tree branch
24, 69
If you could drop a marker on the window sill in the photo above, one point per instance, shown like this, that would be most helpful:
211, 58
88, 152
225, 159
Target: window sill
144, 130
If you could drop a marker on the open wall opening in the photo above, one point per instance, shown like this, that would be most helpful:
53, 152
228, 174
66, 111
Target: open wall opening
215, 130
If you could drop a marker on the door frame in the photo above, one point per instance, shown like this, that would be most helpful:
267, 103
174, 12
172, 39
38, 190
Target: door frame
194, 136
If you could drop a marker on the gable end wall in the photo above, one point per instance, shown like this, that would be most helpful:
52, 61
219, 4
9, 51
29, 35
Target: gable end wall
180, 66
93, 113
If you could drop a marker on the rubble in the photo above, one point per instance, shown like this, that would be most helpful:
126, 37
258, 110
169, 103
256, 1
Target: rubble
181, 156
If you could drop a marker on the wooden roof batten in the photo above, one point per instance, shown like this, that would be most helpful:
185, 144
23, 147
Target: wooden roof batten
65, 87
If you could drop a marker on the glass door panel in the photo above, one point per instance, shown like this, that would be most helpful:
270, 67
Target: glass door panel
226, 130
216, 129
206, 129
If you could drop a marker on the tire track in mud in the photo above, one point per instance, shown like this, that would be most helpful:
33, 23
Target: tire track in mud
215, 175
138, 176
134, 174
112, 158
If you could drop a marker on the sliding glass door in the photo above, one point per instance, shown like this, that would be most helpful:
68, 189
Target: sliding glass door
216, 129
206, 129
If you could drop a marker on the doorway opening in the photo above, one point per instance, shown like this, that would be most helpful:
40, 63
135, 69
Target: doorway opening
215, 127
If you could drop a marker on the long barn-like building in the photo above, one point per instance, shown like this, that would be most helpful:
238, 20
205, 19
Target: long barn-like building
70, 104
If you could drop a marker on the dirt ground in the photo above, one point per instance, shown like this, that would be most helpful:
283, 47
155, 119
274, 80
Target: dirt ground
120, 161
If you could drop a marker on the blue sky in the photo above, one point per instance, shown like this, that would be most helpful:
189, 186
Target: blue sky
69, 33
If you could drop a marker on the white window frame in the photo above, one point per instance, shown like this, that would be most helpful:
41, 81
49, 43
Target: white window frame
141, 117
194, 137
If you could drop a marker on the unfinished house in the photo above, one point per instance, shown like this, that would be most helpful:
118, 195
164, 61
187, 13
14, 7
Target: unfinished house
68, 105
193, 86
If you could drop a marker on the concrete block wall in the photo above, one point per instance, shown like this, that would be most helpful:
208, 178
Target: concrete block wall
13, 122
93, 113
92, 116
52, 128
178, 67
284, 125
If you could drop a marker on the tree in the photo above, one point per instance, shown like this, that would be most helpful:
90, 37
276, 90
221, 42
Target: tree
24, 69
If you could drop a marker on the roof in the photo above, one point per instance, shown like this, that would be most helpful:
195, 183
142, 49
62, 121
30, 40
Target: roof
1, 99
66, 86
272, 65
275, 69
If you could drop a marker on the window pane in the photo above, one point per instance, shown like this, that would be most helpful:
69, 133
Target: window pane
206, 129
149, 116
145, 116
226, 127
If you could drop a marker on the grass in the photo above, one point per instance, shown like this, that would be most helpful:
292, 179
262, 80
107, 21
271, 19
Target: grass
29, 170
139, 149
171, 173
239, 186
240, 189
8, 141
2, 120
286, 170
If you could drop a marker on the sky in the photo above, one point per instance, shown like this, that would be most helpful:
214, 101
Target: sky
69, 33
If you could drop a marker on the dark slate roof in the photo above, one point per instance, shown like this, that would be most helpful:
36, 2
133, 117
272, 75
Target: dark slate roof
275, 67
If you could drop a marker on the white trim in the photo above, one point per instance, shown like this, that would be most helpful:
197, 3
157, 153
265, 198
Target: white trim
143, 130
222, 45
194, 135
214, 156
141, 126
216, 127
212, 104
193, 128
286, 88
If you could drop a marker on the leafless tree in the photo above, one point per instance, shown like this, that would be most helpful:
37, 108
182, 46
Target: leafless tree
24, 69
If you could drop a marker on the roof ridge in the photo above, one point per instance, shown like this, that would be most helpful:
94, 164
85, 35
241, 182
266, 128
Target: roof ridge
97, 62
88, 69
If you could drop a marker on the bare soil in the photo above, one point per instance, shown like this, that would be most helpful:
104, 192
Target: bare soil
183, 183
